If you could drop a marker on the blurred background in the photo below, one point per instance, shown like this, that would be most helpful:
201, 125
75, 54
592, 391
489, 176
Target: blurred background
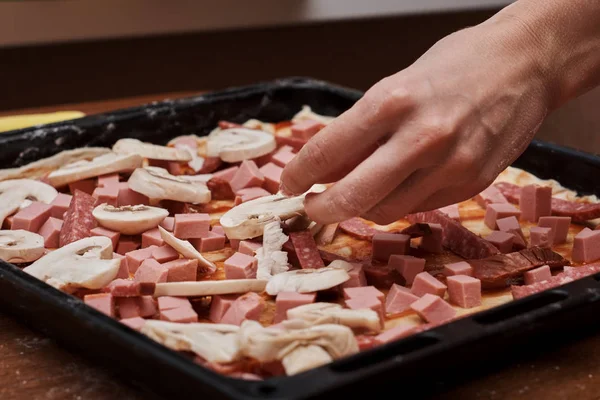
67, 52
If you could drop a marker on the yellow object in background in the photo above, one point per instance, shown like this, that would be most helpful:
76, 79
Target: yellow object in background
24, 121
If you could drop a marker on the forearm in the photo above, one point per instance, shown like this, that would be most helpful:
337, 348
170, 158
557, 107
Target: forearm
563, 37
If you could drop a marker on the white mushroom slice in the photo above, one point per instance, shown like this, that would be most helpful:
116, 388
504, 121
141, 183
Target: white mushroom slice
304, 358
239, 144
186, 249
271, 260
209, 288
257, 124
18, 193
86, 263
201, 178
20, 246
212, 342
105, 164
330, 313
129, 220
307, 280
308, 114
151, 151
159, 184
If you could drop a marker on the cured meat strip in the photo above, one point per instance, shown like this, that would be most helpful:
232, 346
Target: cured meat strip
211, 164
579, 212
306, 249
358, 228
79, 220
456, 237
220, 189
501, 270
569, 275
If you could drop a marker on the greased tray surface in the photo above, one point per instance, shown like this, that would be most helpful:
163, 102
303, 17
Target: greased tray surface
449, 351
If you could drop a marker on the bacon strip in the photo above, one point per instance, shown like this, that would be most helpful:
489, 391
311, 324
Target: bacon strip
79, 220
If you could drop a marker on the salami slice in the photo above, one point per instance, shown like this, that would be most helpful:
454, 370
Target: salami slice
306, 250
358, 228
569, 275
382, 276
510, 191
327, 234
456, 237
78, 219
211, 164
220, 189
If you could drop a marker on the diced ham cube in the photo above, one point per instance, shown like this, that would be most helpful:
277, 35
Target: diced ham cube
107, 194
432, 243
235, 244
396, 333
123, 270
152, 237
181, 315
51, 231
541, 237
128, 288
147, 306
491, 195
272, 174
425, 283
108, 180
357, 277
503, 241
226, 174
7, 223
464, 291
535, 202
170, 302
86, 185
212, 242
240, 266
283, 156
165, 254
151, 271
539, 274
136, 257
247, 306
191, 226
32, 217
458, 268
135, 323
288, 300
128, 197
511, 225
399, 299
306, 129
408, 266
219, 306
370, 302
251, 193
247, 176
560, 227
181, 270
168, 223
112, 235
327, 234
218, 229
103, 302
60, 205
494, 212
433, 309
586, 246
249, 248
451, 211
129, 307
386, 244
128, 244
364, 291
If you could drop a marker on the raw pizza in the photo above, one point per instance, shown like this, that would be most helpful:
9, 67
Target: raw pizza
193, 245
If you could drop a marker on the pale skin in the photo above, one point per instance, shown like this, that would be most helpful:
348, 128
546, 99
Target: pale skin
441, 130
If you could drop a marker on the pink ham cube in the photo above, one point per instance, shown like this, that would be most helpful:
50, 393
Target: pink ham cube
399, 299
152, 237
181, 270
151, 271
464, 291
128, 244
283, 156
191, 226
247, 306
51, 231
386, 244
408, 266
226, 174
240, 266
129, 288
147, 306
503, 241
364, 291
251, 193
168, 223
458, 268
586, 246
451, 211
272, 174
136, 257
103, 302
86, 185
219, 306
108, 180
129, 307
559, 225
511, 225
249, 248
181, 315
425, 283
539, 274
491, 195
396, 333
433, 309
494, 212
247, 176
112, 235
432, 243
535, 201
218, 229
135, 323
107, 194
212, 242
306, 129
288, 300
170, 302
541, 237
32, 217
370, 302
128, 197
123, 270
235, 244
357, 277
60, 205
165, 254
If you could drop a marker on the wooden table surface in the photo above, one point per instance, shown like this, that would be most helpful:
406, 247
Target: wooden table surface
33, 367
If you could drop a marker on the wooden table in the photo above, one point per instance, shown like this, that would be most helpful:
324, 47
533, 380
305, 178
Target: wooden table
32, 367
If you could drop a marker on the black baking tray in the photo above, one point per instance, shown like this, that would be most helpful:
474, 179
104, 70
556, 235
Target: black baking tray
421, 363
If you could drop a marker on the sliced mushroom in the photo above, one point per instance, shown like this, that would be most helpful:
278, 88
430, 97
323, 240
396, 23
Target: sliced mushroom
239, 144
307, 280
20, 246
186, 249
209, 288
151, 151
257, 124
18, 193
330, 313
213, 342
304, 358
129, 220
158, 184
306, 113
86, 263
105, 164
271, 260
